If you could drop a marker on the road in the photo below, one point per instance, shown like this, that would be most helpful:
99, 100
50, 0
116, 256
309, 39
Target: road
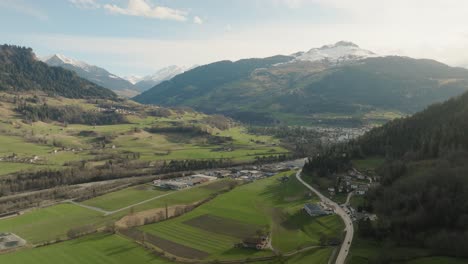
344, 250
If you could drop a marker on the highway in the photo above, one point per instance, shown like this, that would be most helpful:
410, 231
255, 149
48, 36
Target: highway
346, 245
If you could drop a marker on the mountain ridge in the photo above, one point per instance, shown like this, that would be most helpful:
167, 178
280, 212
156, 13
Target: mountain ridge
21, 71
312, 91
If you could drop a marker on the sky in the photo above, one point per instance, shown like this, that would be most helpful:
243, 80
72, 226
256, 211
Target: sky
137, 37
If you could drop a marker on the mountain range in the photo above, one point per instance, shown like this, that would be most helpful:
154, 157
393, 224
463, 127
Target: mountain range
20, 70
92, 73
332, 84
124, 86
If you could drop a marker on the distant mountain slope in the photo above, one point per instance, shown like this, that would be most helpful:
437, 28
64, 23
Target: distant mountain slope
92, 73
334, 82
21, 71
439, 129
158, 77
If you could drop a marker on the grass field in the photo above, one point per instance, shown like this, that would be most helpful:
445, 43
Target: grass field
119, 199
53, 222
94, 249
17, 137
48, 223
265, 204
315, 256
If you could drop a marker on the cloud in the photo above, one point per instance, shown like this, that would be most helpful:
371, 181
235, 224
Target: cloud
21, 7
143, 8
197, 20
85, 4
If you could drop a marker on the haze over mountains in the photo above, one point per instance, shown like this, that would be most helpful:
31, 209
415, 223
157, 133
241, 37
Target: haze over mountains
334, 83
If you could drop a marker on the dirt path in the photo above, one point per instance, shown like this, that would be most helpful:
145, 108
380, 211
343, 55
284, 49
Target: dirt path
106, 213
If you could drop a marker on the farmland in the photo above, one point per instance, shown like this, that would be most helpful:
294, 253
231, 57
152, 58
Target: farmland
266, 204
56, 144
125, 197
94, 249
50, 223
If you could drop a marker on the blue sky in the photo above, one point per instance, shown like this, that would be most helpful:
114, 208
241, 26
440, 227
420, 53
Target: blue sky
140, 36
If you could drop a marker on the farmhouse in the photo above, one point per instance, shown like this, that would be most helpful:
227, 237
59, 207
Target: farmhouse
10, 241
315, 210
258, 243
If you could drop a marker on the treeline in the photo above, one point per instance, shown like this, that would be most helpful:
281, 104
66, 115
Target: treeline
440, 129
21, 71
423, 205
188, 165
272, 158
192, 131
422, 200
327, 164
72, 114
302, 141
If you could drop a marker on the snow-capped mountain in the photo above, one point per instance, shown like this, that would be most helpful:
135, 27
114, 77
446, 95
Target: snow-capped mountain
133, 79
92, 73
160, 76
337, 53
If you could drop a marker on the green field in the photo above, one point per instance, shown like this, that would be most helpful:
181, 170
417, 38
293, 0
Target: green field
94, 249
49, 223
315, 256
42, 138
266, 204
120, 199
53, 222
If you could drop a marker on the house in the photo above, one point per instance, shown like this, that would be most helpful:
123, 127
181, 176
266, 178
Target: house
315, 210
361, 177
362, 189
258, 243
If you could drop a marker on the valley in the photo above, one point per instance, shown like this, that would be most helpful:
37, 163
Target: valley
233, 132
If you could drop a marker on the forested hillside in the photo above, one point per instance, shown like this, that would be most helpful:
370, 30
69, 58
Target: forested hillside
281, 89
422, 198
20, 71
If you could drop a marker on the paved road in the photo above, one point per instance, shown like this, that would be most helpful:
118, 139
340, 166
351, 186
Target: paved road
344, 250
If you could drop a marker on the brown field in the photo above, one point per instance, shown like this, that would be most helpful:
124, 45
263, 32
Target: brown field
166, 245
223, 226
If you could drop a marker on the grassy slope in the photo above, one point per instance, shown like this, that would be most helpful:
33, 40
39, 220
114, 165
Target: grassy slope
262, 203
15, 137
95, 249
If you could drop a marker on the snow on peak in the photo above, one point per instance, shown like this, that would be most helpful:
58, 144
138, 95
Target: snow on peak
58, 59
133, 78
166, 73
339, 52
